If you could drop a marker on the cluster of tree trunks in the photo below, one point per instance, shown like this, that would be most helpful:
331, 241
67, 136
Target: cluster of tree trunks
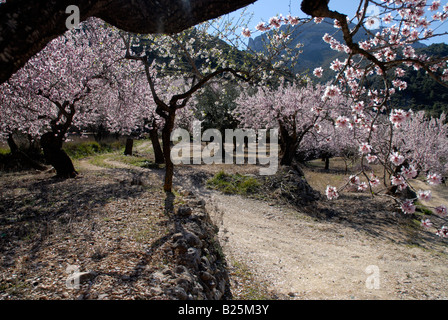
24, 33
24, 156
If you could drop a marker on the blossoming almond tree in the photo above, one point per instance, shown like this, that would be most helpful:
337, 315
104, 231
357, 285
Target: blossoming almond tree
372, 73
385, 55
199, 56
298, 110
167, 105
56, 89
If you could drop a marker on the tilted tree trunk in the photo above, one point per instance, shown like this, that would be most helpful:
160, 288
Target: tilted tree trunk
56, 156
166, 143
27, 26
158, 152
51, 142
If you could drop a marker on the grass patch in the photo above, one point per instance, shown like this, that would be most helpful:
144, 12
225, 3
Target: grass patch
424, 210
247, 286
101, 160
4, 151
319, 181
152, 165
79, 150
233, 183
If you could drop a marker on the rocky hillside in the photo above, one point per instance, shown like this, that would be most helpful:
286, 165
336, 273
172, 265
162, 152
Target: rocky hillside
423, 93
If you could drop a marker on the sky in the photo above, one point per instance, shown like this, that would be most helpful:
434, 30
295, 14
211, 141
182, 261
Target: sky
265, 9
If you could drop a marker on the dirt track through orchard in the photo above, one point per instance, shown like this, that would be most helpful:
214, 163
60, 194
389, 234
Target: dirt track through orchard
300, 257
316, 260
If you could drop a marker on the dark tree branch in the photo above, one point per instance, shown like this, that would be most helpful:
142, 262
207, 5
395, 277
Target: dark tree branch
205, 79
319, 8
27, 26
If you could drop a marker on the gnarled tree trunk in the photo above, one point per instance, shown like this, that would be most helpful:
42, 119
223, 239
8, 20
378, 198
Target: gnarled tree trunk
56, 156
51, 142
288, 146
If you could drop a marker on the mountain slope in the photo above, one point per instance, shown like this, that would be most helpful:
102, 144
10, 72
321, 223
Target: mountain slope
423, 93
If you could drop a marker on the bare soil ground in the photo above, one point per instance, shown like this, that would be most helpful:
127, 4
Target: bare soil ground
106, 222
298, 256
100, 222
353, 248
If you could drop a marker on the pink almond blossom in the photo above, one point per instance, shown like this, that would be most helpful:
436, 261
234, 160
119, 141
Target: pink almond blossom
443, 232
434, 178
442, 211
424, 195
318, 72
426, 223
365, 148
409, 173
396, 158
408, 207
331, 192
246, 32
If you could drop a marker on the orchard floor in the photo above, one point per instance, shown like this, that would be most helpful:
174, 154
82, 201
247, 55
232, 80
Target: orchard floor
106, 221
362, 250
100, 222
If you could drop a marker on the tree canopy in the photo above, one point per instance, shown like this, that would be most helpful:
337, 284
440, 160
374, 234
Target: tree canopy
24, 33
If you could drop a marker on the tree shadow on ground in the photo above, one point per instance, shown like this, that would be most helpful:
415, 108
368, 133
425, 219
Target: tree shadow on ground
45, 220
29, 208
378, 217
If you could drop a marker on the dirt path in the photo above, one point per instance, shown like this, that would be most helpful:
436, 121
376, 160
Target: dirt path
314, 260
300, 257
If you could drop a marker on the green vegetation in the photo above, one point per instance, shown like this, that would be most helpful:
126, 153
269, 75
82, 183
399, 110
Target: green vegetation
233, 183
78, 150
422, 209
110, 160
4, 151
423, 92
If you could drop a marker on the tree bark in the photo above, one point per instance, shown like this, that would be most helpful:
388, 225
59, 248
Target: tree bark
158, 153
56, 156
288, 146
27, 26
51, 142
315, 8
326, 158
128, 147
166, 142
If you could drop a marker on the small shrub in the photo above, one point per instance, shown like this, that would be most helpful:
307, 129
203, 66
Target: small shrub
4, 151
233, 183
